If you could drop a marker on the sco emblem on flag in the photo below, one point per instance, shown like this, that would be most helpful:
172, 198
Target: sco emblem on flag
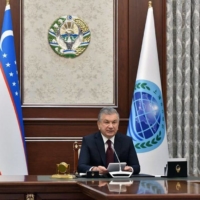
148, 128
69, 36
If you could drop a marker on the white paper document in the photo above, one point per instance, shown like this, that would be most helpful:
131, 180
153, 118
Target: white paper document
112, 167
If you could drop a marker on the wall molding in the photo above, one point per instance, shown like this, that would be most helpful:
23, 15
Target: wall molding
53, 139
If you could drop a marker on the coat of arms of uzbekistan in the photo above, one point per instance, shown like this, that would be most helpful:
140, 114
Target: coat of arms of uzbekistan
69, 36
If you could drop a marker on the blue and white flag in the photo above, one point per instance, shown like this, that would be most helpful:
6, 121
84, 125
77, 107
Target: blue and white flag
12, 144
147, 119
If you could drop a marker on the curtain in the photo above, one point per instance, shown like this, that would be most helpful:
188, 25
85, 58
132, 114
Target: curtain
183, 82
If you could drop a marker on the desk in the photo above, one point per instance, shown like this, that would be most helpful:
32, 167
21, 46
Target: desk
142, 188
44, 187
38, 188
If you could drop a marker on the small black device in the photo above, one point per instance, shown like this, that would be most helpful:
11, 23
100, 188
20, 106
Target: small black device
92, 174
177, 169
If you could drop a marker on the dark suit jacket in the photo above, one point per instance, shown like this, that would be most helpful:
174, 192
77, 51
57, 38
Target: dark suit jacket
93, 152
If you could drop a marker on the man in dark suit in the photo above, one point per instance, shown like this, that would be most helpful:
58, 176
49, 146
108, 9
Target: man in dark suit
93, 155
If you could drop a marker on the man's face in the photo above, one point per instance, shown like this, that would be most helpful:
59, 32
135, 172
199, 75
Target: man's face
108, 125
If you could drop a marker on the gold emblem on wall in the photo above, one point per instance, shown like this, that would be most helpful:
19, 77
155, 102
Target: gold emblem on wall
69, 36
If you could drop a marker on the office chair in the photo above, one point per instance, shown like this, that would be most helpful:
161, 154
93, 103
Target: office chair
77, 149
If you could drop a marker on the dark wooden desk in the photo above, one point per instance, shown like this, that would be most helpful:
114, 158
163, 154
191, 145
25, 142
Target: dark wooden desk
44, 187
142, 188
39, 187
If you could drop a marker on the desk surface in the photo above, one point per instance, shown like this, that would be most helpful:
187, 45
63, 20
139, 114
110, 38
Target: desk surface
142, 188
132, 188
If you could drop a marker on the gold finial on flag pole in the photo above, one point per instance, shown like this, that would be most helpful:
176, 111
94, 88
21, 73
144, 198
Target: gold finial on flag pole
7, 2
150, 4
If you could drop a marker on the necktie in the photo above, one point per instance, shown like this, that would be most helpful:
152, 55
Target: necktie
109, 153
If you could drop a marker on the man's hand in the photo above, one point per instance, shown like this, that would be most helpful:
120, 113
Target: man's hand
128, 168
101, 169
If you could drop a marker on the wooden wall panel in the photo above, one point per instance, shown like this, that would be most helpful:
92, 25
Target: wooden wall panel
44, 155
59, 128
46, 126
63, 128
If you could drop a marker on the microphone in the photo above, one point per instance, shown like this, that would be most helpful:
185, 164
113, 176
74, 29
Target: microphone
120, 173
120, 167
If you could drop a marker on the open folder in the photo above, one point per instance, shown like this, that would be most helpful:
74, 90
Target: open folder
112, 167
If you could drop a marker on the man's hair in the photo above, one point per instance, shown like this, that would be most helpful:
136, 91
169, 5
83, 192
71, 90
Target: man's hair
107, 111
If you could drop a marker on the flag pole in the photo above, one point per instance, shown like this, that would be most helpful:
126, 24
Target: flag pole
147, 126
12, 143
150, 4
